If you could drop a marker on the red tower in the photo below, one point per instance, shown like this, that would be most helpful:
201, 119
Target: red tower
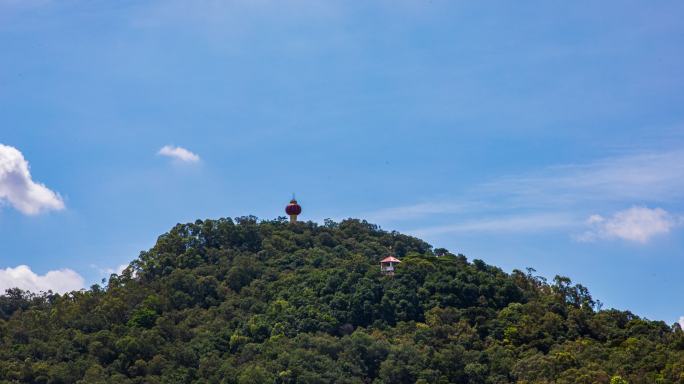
293, 209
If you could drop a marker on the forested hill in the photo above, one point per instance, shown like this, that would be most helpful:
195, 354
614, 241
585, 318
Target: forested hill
247, 301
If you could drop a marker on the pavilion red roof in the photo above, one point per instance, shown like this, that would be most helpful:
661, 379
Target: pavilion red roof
390, 259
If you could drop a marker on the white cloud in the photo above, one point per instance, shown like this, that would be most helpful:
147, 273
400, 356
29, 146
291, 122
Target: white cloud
108, 271
18, 188
178, 153
118, 270
681, 321
61, 281
638, 224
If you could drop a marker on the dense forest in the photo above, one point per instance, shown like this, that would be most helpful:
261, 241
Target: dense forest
248, 301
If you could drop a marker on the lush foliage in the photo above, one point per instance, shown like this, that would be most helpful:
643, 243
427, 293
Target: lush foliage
268, 302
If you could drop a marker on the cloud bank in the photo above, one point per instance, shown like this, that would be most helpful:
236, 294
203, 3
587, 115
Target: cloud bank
179, 154
509, 224
656, 176
60, 281
560, 198
650, 177
18, 189
638, 224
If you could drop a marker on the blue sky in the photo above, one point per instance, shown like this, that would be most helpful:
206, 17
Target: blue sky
543, 134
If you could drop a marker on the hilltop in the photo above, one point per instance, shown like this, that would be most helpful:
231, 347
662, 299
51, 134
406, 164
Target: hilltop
249, 301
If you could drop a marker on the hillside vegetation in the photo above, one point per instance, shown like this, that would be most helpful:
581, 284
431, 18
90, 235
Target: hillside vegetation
247, 301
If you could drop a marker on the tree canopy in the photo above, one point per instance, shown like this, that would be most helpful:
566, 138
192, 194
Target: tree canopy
248, 301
